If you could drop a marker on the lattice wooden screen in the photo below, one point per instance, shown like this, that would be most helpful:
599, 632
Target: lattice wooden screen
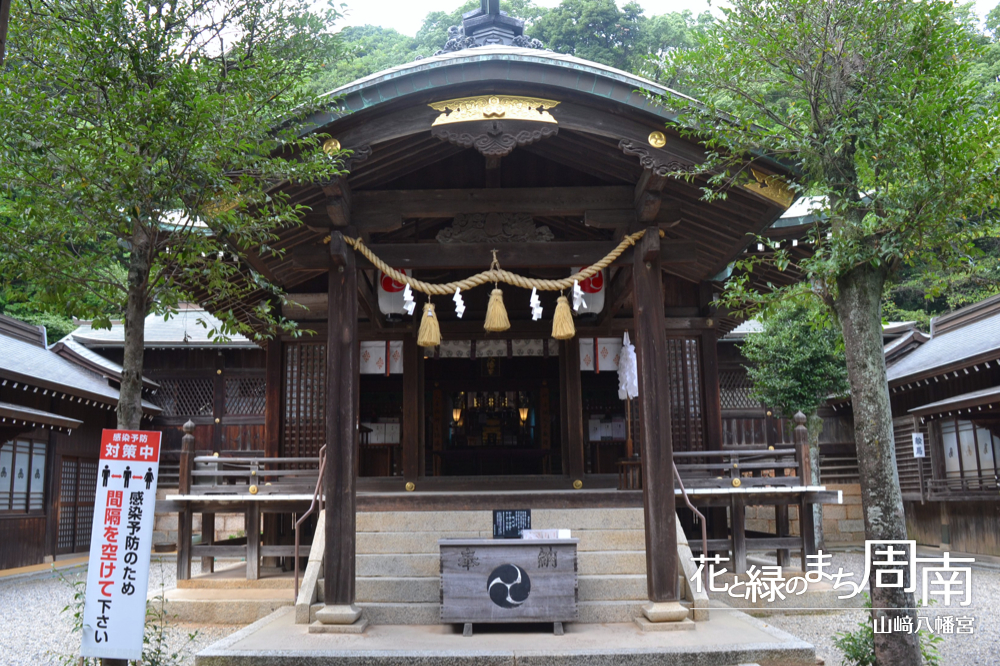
185, 397
77, 490
735, 389
245, 395
687, 419
67, 507
305, 399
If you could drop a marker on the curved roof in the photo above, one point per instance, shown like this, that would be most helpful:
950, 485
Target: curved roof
515, 64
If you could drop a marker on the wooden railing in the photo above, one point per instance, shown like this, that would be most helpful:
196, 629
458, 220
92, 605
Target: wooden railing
784, 466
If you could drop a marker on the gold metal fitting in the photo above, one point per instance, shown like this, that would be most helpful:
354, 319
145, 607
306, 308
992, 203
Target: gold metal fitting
736, 465
253, 472
217, 420
216, 454
737, 483
218, 372
770, 448
331, 146
410, 486
253, 490
657, 139
578, 484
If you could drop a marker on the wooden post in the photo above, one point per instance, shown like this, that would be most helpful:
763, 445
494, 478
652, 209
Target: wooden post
272, 433
739, 537
272, 400
184, 517
251, 523
412, 415
572, 399
654, 401
781, 530
711, 392
207, 539
341, 426
807, 524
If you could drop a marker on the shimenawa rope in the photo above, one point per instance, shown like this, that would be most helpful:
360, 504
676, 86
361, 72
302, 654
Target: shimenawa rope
494, 274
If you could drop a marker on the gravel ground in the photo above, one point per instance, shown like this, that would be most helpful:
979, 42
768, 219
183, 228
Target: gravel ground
980, 647
36, 632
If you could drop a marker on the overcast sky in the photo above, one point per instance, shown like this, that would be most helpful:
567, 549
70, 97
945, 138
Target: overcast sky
407, 15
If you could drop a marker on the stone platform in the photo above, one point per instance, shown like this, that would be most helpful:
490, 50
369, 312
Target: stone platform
730, 638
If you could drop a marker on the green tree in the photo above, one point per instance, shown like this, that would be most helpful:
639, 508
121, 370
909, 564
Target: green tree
870, 100
593, 30
139, 154
361, 51
796, 363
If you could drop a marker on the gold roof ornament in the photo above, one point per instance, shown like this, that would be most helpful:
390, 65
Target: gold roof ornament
331, 146
771, 187
657, 139
494, 107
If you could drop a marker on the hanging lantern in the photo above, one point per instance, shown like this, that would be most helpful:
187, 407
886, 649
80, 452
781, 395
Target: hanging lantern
593, 291
390, 296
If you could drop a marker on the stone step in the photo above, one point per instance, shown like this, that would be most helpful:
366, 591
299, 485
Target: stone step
409, 543
224, 606
590, 612
482, 521
427, 589
595, 562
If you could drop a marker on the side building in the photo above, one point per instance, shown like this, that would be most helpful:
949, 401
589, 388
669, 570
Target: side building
946, 387
54, 402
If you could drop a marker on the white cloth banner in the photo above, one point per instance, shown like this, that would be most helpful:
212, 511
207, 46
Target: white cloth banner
114, 612
374, 360
599, 358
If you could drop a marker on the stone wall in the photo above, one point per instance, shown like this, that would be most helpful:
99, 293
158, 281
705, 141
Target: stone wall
165, 527
843, 524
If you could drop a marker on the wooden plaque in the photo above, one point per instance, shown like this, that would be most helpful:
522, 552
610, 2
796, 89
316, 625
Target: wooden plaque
503, 580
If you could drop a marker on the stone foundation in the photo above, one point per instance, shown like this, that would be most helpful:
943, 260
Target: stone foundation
843, 524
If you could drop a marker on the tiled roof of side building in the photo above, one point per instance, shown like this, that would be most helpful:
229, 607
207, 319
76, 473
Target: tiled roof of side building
31, 364
186, 329
976, 340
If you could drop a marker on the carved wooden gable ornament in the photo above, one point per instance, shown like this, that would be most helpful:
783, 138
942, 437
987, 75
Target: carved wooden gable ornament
494, 124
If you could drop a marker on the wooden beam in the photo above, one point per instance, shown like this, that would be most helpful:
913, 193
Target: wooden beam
447, 203
437, 256
654, 405
343, 368
610, 219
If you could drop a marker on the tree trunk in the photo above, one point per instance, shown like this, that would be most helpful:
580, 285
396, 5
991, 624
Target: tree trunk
130, 395
815, 427
858, 305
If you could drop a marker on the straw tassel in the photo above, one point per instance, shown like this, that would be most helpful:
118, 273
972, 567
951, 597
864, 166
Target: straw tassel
496, 313
430, 330
562, 323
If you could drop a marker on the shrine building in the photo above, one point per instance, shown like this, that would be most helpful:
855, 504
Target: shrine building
498, 154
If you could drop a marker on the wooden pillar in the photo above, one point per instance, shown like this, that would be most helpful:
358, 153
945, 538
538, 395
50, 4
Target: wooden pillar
185, 517
341, 423
807, 522
737, 517
272, 400
251, 521
781, 528
274, 386
572, 408
654, 402
712, 397
412, 414
207, 539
